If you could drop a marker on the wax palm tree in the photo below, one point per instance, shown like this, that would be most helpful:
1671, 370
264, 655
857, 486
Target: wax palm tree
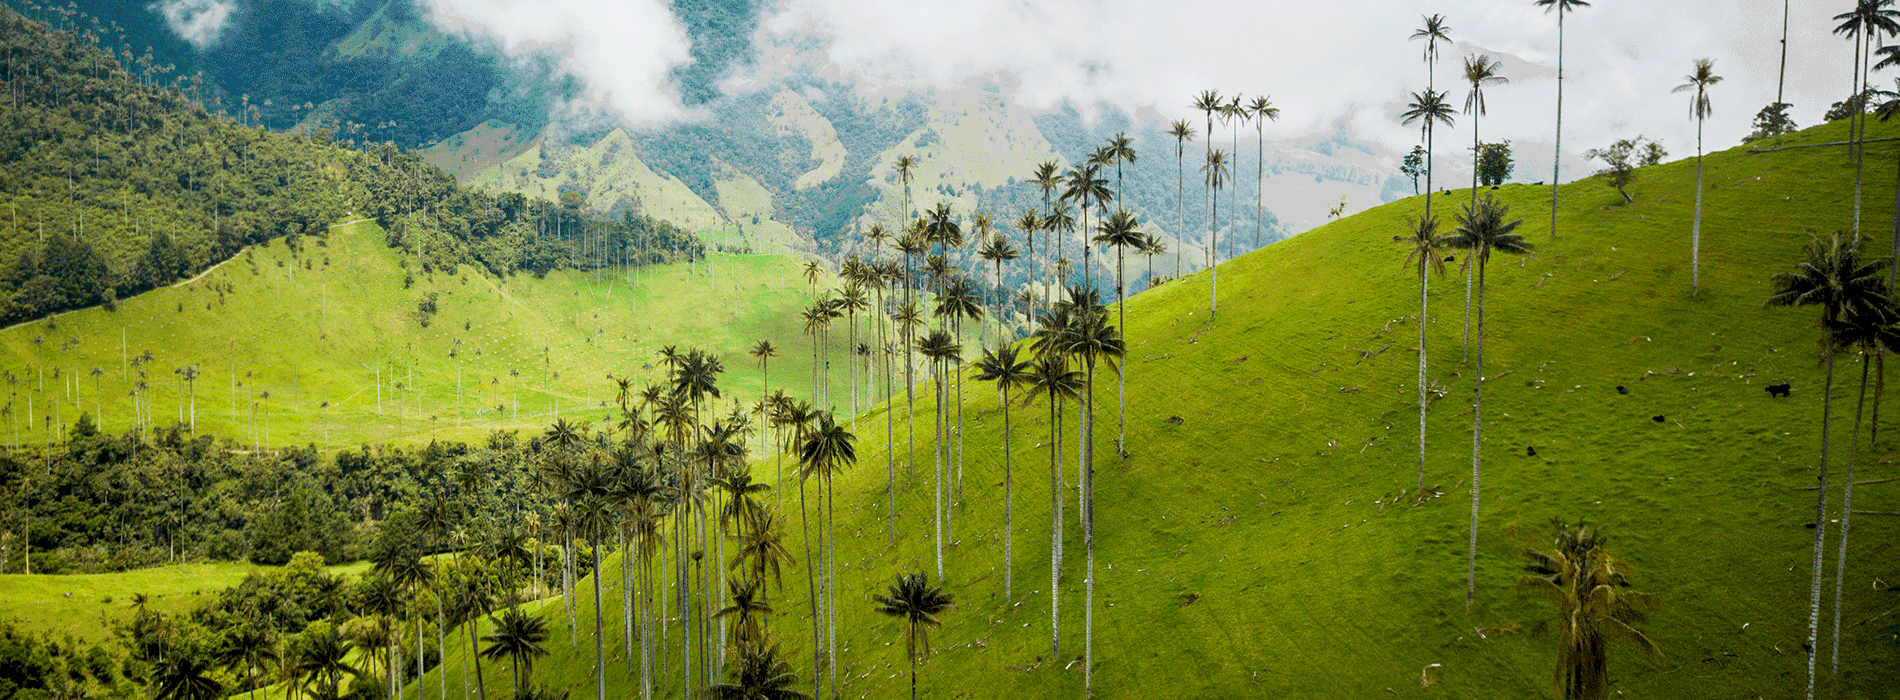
764, 351
1432, 109
186, 674
322, 659
1084, 187
826, 453
1122, 150
1699, 82
747, 607
1051, 378
905, 164
408, 569
1047, 178
472, 601
958, 303
852, 301
1424, 259
1480, 71
1864, 24
1029, 222
1482, 230
1182, 133
942, 349
1151, 246
1001, 366
518, 637
1866, 331
593, 515
759, 675
437, 522
918, 604
909, 320
1216, 175
1587, 587
1834, 277
1089, 338
761, 547
1434, 32
251, 650
1262, 110
1562, 7
1060, 223
1123, 231
999, 251
1209, 103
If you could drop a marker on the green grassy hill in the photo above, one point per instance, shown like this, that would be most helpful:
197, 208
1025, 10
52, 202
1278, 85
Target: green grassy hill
1256, 542
325, 345
86, 606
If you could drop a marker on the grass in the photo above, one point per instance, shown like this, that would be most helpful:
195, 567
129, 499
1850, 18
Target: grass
324, 346
1255, 544
86, 606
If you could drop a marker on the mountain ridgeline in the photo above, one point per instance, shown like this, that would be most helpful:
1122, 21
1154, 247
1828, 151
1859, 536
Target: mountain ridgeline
111, 184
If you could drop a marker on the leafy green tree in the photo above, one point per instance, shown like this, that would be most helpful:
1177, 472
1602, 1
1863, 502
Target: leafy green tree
912, 599
1494, 163
1771, 121
1619, 168
1482, 230
1699, 82
1836, 278
1413, 166
1587, 587
1562, 7
1423, 258
518, 637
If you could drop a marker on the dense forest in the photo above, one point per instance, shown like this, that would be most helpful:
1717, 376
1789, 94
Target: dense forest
113, 183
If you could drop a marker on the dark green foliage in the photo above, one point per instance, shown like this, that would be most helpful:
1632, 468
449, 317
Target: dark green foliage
1771, 121
721, 34
1620, 163
1494, 163
1850, 106
1414, 166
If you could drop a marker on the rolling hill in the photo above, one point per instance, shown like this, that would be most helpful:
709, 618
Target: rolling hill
1267, 538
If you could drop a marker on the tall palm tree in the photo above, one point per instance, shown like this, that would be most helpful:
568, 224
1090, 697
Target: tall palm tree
1424, 258
1864, 24
748, 607
1480, 71
909, 320
1866, 331
1587, 587
1083, 186
1029, 222
1001, 366
905, 164
762, 547
764, 351
1123, 231
942, 349
593, 514
826, 453
437, 521
409, 570
1562, 7
1090, 339
999, 251
517, 636
323, 659
1699, 81
1151, 246
1122, 150
1834, 277
1262, 110
957, 304
1434, 32
1209, 103
472, 601
1051, 378
1216, 175
759, 675
918, 603
1047, 178
250, 650
1182, 133
1431, 108
1482, 230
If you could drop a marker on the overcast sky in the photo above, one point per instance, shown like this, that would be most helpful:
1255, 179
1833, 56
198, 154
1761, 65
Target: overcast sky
1319, 62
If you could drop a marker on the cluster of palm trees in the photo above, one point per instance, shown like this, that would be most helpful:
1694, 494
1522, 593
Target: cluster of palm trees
1217, 170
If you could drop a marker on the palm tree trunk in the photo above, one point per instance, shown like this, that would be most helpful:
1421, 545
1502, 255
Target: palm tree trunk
957, 376
937, 509
1820, 521
890, 427
442, 649
1466, 269
1213, 257
1424, 282
1121, 370
1847, 510
1477, 440
1858, 127
1180, 201
474, 653
831, 588
1695, 236
1557, 153
567, 585
600, 658
1088, 540
1055, 527
811, 587
1009, 527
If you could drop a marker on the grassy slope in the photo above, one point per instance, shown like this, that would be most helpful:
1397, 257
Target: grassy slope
85, 606
316, 335
1263, 506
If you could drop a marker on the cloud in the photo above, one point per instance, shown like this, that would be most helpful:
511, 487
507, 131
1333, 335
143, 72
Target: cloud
199, 22
1324, 62
622, 50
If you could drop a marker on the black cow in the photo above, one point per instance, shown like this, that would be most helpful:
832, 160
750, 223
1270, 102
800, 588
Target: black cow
1775, 390
1658, 419
1530, 451
1622, 390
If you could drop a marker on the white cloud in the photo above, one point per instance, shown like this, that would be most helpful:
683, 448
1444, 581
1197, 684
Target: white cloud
1321, 62
199, 22
622, 50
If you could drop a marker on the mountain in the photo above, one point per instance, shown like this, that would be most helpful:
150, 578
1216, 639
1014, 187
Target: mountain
1267, 534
